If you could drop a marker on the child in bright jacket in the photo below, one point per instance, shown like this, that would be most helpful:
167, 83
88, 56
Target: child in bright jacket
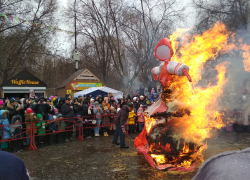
131, 121
16, 132
5, 131
41, 129
140, 120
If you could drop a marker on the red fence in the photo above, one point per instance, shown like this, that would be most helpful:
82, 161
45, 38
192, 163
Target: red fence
79, 123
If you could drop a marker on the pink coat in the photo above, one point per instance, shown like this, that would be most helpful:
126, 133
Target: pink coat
140, 116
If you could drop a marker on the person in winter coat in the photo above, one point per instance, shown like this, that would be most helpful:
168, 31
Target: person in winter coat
141, 90
77, 107
98, 115
154, 97
146, 93
100, 100
13, 108
120, 122
142, 101
1, 104
16, 132
29, 117
62, 126
105, 103
121, 102
131, 121
88, 115
59, 104
6, 129
68, 114
41, 124
112, 116
42, 108
106, 120
140, 119
52, 126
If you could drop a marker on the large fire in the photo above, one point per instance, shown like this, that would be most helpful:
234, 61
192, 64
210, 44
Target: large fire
191, 129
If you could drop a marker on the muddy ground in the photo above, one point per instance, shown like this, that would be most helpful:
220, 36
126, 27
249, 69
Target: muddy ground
97, 158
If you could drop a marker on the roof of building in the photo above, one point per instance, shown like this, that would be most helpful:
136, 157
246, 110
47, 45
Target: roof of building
70, 78
90, 76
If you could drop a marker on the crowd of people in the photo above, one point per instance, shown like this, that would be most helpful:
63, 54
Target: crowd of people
95, 114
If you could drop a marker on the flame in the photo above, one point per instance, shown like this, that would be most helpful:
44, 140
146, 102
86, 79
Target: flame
202, 102
185, 148
160, 159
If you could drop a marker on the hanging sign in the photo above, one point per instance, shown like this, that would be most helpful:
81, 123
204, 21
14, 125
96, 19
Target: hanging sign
83, 86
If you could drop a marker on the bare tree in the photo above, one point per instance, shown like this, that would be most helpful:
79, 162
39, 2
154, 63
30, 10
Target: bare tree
120, 37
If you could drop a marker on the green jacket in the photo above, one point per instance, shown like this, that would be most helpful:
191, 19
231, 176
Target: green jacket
41, 127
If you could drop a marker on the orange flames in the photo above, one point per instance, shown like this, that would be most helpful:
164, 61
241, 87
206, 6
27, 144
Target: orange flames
202, 102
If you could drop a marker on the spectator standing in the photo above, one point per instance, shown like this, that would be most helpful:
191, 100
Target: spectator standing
62, 126
16, 132
29, 117
68, 114
141, 119
98, 115
141, 90
41, 124
13, 108
106, 120
88, 115
59, 104
146, 93
120, 122
112, 116
6, 129
52, 126
105, 103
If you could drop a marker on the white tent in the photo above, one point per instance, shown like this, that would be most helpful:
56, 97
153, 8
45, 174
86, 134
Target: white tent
104, 89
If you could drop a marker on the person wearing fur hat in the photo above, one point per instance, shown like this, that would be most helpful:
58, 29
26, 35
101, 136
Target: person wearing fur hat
98, 112
16, 132
105, 103
13, 108
6, 129
106, 120
142, 101
29, 117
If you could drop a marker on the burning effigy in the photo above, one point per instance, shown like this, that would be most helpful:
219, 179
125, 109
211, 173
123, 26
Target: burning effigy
184, 115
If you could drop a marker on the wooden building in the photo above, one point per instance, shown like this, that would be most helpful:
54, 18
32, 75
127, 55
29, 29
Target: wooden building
19, 85
80, 80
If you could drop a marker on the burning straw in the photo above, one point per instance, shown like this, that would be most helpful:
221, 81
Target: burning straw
178, 139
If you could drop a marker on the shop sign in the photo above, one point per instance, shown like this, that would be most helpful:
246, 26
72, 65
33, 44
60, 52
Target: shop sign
83, 86
23, 82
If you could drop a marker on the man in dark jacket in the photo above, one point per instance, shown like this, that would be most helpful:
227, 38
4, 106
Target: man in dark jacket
68, 114
13, 108
42, 108
120, 120
59, 104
